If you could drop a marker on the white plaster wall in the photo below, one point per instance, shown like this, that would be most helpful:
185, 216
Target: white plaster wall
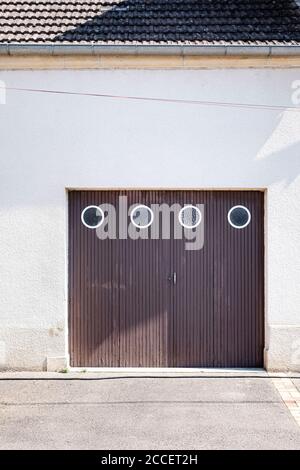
50, 142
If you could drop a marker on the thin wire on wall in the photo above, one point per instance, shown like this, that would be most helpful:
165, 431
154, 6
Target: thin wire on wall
161, 100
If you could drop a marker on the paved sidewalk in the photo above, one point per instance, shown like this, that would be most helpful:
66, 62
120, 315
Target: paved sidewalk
297, 383
289, 393
111, 411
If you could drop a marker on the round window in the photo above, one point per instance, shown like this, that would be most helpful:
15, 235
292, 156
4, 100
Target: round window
239, 217
92, 216
141, 216
189, 216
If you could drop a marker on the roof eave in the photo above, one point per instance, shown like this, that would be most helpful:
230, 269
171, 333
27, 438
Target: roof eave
141, 49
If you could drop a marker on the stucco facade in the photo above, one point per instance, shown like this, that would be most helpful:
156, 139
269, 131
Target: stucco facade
52, 142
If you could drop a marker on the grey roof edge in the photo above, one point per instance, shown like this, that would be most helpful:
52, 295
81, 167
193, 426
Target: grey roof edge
140, 49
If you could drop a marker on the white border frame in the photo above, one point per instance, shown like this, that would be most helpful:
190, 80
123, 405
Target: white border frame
241, 226
89, 226
144, 207
187, 207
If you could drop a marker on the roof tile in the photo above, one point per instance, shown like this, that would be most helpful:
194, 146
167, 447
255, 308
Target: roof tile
150, 22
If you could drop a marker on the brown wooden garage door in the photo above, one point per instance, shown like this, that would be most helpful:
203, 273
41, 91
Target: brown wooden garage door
154, 303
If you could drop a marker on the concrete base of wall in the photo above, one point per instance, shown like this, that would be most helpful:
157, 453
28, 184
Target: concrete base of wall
24, 349
57, 364
283, 348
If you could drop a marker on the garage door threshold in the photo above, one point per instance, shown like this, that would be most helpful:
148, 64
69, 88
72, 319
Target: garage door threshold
169, 372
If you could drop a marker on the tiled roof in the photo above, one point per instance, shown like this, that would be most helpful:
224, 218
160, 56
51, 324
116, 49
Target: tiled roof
258, 22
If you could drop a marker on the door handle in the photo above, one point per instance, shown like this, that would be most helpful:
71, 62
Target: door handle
173, 278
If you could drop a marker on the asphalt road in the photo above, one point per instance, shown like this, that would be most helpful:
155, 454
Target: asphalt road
116, 412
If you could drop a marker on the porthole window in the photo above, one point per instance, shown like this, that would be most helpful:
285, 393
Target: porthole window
92, 217
142, 216
239, 217
189, 216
